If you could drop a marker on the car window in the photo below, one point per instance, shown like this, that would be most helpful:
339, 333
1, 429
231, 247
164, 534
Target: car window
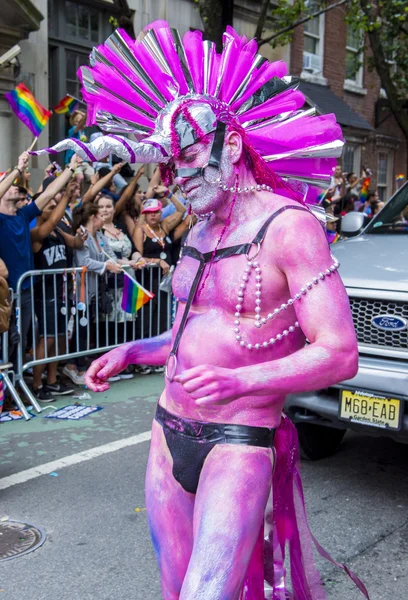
393, 218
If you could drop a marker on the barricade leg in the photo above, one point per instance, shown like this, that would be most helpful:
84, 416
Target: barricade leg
29, 394
16, 397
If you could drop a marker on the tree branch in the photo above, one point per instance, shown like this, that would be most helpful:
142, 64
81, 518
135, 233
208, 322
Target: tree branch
300, 22
261, 20
383, 70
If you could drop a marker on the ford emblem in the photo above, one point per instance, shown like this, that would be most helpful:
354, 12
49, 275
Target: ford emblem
389, 323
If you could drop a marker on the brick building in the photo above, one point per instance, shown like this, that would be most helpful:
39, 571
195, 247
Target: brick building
323, 53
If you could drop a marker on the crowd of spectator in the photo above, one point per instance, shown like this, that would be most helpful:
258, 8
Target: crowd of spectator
97, 217
344, 196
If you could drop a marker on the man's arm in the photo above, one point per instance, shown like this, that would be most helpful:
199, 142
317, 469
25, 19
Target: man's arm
14, 173
324, 317
102, 182
323, 314
170, 222
153, 183
57, 185
38, 234
128, 192
152, 351
72, 241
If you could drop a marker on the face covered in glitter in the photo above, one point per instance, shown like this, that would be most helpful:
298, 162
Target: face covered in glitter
204, 191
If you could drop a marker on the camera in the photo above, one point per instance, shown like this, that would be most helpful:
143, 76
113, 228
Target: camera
10, 56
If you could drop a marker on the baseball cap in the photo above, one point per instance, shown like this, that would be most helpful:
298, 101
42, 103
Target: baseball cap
152, 205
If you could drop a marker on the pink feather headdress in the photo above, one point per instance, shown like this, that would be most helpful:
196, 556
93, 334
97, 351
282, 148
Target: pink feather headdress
169, 92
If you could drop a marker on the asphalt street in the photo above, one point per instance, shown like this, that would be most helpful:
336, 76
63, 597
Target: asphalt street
98, 545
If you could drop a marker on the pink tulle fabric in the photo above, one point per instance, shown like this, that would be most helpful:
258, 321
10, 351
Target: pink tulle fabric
287, 534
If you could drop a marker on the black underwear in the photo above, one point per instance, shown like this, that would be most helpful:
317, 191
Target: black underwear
191, 441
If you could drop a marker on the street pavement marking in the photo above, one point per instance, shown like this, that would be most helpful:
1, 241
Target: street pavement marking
73, 459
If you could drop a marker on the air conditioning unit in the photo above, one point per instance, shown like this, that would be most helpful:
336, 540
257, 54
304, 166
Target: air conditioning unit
312, 62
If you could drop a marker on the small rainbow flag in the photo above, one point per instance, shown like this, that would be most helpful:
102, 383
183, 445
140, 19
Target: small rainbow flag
27, 109
67, 105
332, 236
134, 295
364, 190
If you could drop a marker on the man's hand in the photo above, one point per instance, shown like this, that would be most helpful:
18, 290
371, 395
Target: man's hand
23, 161
208, 385
94, 178
106, 366
70, 189
116, 168
75, 162
165, 267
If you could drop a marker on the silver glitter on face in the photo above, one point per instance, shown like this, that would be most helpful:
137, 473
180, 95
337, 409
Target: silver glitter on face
202, 191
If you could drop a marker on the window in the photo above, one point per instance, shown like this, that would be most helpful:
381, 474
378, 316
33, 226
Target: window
75, 27
313, 42
354, 57
384, 174
81, 22
351, 158
73, 61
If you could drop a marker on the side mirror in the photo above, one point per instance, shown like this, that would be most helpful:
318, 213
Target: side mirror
352, 223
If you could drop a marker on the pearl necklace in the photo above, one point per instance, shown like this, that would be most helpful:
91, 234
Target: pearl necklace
244, 190
253, 266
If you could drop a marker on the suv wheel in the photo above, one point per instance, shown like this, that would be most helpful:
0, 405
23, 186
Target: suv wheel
317, 441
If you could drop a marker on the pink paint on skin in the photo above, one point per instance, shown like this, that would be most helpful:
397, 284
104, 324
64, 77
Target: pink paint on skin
207, 543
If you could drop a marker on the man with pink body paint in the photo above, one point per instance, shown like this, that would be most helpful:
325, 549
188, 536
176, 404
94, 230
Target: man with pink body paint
256, 279
204, 541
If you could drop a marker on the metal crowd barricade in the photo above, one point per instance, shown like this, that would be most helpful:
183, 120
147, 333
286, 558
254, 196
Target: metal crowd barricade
86, 317
9, 377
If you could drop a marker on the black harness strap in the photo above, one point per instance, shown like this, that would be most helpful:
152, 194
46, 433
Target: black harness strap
203, 260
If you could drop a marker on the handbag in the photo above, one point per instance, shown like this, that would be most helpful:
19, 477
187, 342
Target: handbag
5, 305
166, 282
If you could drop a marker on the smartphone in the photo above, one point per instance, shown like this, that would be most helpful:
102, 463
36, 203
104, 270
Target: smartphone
55, 168
82, 228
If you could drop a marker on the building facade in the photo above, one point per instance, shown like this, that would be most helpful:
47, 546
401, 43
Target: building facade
56, 37
59, 40
325, 53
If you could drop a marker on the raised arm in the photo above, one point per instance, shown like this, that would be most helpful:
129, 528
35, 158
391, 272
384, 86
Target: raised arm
152, 351
170, 222
102, 182
38, 234
14, 173
72, 241
128, 192
153, 183
57, 185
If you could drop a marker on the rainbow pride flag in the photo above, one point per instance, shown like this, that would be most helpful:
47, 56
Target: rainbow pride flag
134, 295
364, 190
67, 105
27, 109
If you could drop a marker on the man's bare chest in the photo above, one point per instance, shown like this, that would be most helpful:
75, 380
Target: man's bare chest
229, 282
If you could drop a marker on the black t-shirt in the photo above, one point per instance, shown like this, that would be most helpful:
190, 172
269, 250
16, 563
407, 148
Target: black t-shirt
52, 255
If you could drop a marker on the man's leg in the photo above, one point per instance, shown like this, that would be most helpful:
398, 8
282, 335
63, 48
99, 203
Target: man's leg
229, 510
170, 511
38, 370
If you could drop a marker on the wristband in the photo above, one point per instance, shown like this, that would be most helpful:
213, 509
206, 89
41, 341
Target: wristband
70, 168
16, 168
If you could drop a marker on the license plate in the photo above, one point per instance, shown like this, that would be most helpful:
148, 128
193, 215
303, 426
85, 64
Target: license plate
370, 409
